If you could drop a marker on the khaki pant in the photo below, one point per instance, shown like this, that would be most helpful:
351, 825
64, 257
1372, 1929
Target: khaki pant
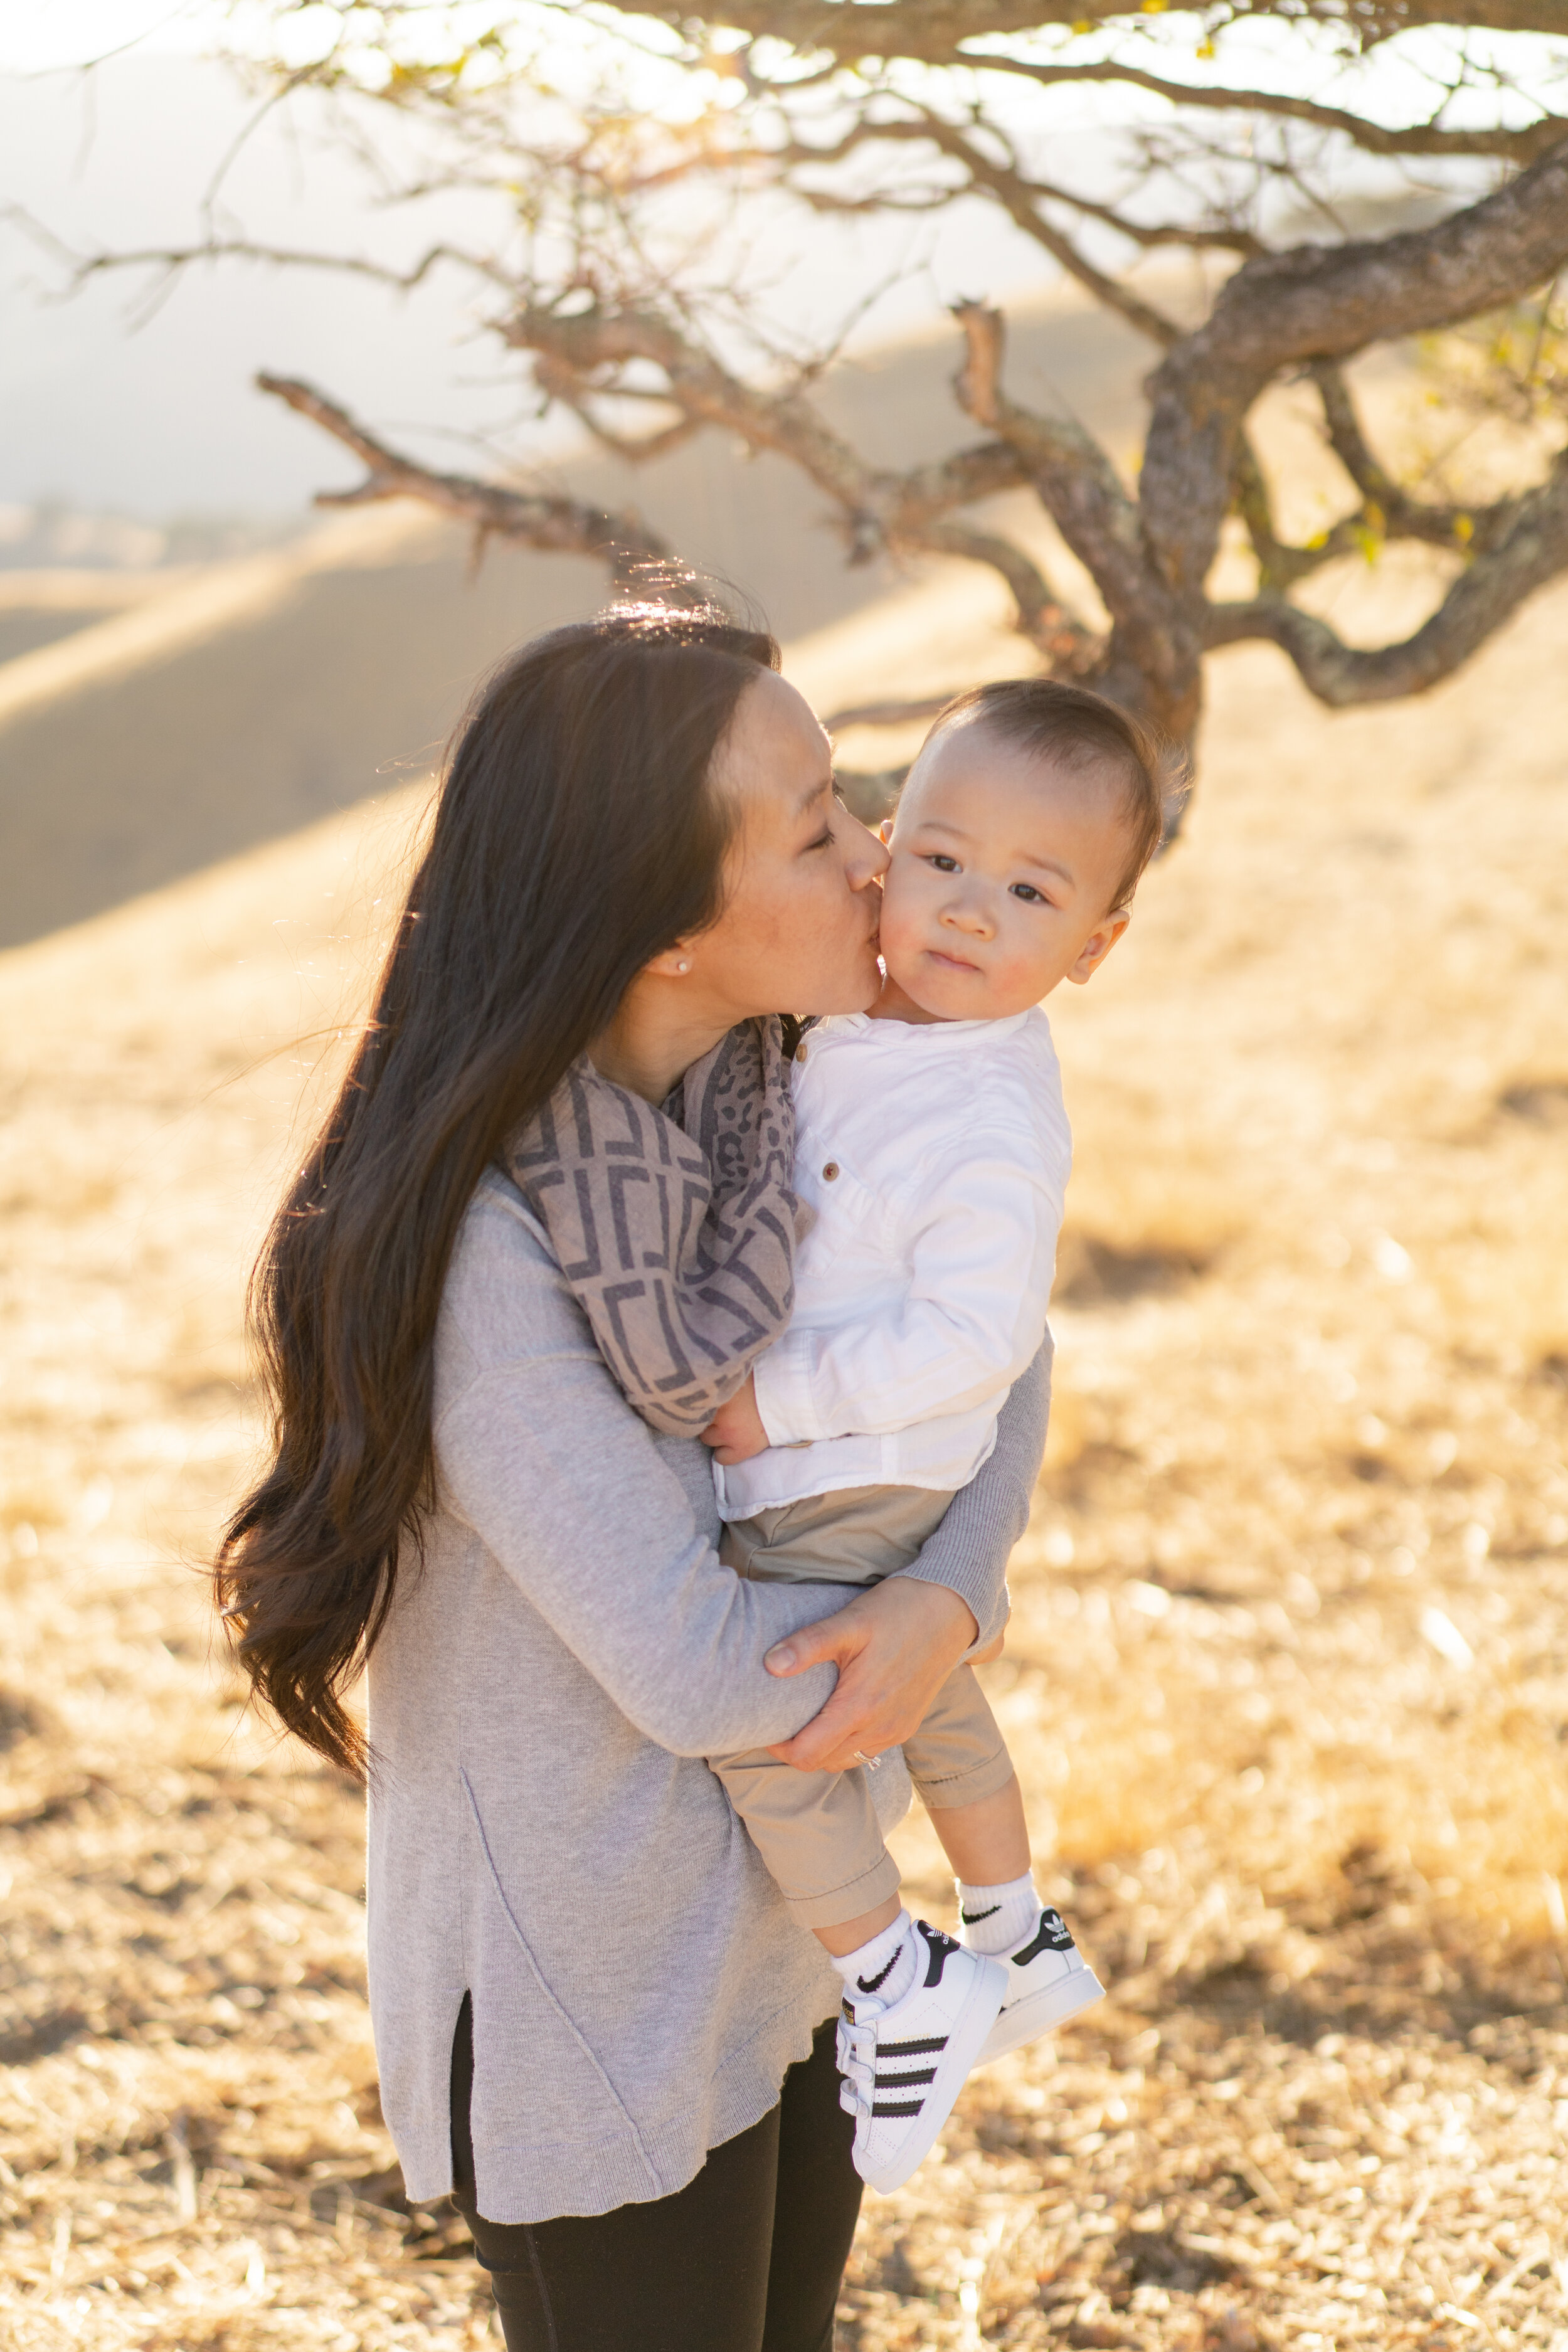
818, 1832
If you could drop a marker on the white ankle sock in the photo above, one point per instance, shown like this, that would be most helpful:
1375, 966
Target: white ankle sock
883, 1970
997, 1917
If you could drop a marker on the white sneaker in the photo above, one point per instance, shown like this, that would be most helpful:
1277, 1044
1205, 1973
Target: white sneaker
903, 2067
1048, 1980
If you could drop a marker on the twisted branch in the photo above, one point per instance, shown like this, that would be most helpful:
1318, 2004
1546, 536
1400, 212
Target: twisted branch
1079, 487
1021, 198
1532, 551
1521, 146
582, 353
1324, 303
1021, 202
562, 526
931, 31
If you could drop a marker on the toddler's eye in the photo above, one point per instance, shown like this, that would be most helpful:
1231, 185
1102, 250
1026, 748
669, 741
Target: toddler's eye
944, 864
1026, 891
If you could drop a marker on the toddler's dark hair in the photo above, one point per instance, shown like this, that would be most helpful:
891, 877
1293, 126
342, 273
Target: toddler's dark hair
1081, 730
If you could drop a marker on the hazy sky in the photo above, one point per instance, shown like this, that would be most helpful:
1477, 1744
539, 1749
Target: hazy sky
160, 415
103, 406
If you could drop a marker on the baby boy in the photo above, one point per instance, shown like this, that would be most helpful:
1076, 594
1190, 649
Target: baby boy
933, 1146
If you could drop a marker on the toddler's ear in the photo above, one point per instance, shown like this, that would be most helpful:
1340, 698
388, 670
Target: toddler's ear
885, 831
1098, 944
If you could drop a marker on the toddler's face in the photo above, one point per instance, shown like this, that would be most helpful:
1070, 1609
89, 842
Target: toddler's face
1001, 877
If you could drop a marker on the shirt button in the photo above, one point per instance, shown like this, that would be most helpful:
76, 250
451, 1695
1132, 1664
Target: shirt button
800, 1053
831, 1170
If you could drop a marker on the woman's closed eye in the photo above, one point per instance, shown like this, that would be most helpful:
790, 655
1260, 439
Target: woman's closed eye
827, 837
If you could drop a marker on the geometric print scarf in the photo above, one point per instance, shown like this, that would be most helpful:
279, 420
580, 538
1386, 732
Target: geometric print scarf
674, 1228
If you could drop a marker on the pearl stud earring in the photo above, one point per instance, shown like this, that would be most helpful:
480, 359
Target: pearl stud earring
683, 965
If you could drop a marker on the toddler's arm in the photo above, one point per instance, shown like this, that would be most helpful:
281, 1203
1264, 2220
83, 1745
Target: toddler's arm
981, 1252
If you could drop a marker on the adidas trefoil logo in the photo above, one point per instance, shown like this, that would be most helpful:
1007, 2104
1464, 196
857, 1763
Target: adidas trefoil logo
1052, 1935
941, 1947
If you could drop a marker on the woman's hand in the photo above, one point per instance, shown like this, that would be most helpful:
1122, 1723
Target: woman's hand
894, 1648
736, 1431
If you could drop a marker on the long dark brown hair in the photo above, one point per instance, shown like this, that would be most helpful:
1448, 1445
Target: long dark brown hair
576, 836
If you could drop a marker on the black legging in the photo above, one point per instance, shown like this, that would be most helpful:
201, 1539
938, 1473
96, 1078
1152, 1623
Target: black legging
746, 2258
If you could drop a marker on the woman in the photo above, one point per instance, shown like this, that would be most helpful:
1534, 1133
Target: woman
595, 2023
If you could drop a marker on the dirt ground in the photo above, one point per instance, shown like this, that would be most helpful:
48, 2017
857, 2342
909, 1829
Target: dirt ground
1289, 1665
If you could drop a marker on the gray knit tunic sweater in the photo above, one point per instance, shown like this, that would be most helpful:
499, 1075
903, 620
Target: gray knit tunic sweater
543, 1834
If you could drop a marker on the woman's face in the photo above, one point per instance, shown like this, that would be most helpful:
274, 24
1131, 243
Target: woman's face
798, 933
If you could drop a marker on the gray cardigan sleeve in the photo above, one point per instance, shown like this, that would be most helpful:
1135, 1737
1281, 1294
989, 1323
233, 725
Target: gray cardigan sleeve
970, 1550
540, 1455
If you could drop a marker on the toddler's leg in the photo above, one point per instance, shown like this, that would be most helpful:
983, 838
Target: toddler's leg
819, 1835
917, 2007
961, 1766
986, 1841
959, 1762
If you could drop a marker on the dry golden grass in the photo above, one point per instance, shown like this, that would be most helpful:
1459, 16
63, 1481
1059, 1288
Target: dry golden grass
1287, 1673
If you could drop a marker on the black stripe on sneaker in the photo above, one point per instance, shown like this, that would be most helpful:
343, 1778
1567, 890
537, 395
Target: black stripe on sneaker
940, 1947
897, 2106
910, 2049
1051, 1936
902, 2082
972, 1918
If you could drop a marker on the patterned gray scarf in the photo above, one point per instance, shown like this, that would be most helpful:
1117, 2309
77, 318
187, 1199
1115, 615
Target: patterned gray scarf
675, 1228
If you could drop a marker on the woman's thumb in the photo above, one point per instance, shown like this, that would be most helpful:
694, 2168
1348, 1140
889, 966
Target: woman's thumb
809, 1647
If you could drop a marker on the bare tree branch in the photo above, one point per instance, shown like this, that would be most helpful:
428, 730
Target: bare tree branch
1279, 566
176, 258
1532, 551
1079, 487
1387, 510
1021, 198
563, 526
1325, 303
1431, 139
1067, 644
1021, 202
1152, 237
644, 309
558, 384
931, 30
584, 349
1387, 505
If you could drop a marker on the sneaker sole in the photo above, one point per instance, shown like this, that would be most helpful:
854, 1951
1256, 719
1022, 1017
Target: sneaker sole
1041, 2012
958, 2061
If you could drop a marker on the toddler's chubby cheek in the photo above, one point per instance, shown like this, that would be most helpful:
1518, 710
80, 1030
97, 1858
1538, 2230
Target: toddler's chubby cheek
900, 926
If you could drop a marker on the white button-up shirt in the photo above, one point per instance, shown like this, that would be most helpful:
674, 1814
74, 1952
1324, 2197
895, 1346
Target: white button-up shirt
936, 1158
